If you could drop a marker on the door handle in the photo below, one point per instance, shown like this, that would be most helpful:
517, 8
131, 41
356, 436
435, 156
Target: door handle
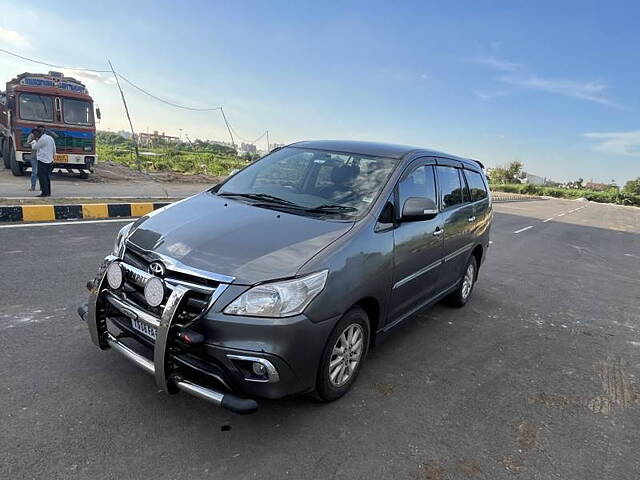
437, 232
471, 218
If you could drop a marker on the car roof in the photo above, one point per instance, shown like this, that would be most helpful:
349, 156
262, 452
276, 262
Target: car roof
377, 149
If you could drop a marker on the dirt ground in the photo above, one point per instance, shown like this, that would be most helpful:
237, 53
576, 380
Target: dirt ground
109, 171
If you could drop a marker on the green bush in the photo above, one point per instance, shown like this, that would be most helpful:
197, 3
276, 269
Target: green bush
609, 196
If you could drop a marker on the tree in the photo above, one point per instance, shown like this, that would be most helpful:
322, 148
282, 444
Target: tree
510, 173
632, 187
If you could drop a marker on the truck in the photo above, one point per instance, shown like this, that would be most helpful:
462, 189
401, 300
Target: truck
63, 106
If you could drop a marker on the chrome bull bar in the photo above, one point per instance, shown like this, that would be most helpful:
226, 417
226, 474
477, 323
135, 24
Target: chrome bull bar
95, 315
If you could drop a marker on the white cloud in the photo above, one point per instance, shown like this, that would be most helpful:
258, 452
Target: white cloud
489, 95
518, 77
106, 78
425, 76
590, 91
14, 38
617, 143
494, 62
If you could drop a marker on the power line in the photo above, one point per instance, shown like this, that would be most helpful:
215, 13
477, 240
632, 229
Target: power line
155, 97
51, 64
211, 109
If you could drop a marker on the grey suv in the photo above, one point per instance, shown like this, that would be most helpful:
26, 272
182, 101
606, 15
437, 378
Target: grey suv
279, 280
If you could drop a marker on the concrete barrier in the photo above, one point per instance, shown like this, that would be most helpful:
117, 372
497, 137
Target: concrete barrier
47, 213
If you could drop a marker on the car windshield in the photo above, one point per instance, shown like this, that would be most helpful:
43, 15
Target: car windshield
36, 107
77, 112
313, 181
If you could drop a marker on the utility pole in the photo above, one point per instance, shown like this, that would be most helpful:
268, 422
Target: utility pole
126, 109
228, 127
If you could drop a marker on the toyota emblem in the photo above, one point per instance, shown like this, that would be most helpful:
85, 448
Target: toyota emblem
157, 269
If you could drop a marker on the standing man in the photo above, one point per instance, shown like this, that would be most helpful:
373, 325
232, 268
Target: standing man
45, 149
34, 161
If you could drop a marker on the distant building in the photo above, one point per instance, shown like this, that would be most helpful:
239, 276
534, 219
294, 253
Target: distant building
124, 134
155, 138
248, 148
598, 187
532, 179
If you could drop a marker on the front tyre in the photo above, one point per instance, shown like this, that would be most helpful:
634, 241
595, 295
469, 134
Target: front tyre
16, 168
343, 355
461, 296
4, 146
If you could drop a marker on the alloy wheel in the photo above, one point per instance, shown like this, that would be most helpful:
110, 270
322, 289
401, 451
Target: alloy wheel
346, 355
467, 280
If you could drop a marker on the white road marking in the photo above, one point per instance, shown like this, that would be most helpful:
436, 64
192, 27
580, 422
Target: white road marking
561, 214
523, 229
632, 255
547, 220
63, 223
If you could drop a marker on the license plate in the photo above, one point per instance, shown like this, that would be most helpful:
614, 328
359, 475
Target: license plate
144, 328
61, 158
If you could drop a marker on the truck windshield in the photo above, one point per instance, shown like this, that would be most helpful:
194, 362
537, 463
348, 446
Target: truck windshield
36, 107
77, 112
313, 181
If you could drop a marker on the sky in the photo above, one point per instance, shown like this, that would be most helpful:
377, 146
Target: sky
553, 84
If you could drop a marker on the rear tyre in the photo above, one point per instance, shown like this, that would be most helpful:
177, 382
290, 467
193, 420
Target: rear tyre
343, 355
461, 296
83, 175
16, 168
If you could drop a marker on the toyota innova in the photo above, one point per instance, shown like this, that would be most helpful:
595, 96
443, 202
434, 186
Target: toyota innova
279, 280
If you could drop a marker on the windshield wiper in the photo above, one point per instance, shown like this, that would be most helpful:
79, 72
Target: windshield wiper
330, 208
259, 196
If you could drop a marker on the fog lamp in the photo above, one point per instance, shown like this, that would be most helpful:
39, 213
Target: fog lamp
259, 369
115, 276
154, 291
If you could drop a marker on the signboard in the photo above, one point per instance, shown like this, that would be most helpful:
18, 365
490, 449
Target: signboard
51, 82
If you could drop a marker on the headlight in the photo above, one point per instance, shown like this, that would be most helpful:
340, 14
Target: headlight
120, 237
279, 299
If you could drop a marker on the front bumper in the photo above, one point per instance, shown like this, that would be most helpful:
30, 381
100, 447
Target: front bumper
164, 362
227, 348
76, 163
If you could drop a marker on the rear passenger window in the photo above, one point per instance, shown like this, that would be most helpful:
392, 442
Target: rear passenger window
450, 187
419, 183
476, 185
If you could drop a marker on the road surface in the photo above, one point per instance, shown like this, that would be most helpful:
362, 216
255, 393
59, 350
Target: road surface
537, 378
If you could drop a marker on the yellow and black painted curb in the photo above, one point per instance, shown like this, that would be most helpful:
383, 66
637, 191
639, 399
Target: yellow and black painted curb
92, 211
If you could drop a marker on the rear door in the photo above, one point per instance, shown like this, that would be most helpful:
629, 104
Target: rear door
417, 245
458, 221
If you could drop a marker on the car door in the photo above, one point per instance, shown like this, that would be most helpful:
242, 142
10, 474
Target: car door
417, 245
458, 222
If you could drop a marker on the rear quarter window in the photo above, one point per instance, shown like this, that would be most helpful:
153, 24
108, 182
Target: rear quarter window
477, 186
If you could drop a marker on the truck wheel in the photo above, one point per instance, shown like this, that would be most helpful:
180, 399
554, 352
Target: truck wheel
16, 168
461, 296
4, 147
83, 175
343, 355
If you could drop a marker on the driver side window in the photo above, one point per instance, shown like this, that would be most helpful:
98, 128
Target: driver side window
419, 183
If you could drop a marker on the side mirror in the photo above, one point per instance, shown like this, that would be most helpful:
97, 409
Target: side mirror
418, 208
98, 114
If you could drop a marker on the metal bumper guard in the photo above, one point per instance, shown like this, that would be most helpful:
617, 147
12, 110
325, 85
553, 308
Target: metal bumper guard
95, 316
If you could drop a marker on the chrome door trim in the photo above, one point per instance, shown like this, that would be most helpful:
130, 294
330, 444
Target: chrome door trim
415, 275
460, 251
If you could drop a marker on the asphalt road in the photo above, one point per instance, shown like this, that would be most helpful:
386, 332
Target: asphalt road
537, 378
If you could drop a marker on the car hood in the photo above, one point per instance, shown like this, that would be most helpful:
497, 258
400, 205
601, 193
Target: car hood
230, 237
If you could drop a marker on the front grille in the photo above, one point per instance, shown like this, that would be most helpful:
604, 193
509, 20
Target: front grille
195, 301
